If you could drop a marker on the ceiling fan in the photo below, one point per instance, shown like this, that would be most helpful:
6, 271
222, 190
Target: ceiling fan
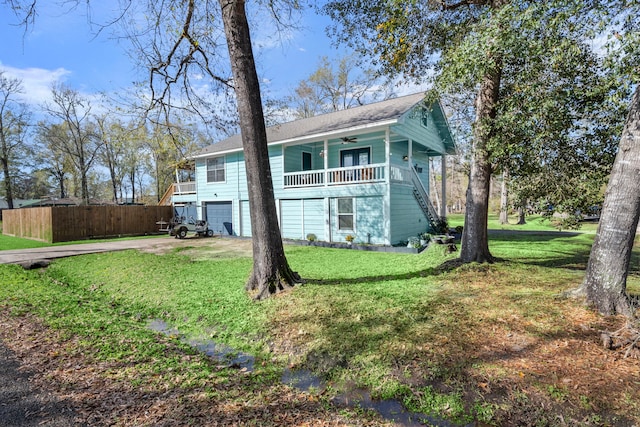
349, 139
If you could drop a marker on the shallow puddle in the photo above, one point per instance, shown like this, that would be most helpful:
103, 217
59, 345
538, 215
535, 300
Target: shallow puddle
221, 353
391, 410
307, 381
304, 380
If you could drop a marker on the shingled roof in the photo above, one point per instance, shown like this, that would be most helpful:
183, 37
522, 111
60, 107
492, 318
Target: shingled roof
384, 112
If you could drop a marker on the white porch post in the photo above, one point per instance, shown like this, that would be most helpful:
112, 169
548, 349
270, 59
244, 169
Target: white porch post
443, 205
327, 222
327, 201
325, 158
387, 198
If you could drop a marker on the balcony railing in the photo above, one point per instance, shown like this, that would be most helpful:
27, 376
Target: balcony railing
304, 179
336, 176
184, 188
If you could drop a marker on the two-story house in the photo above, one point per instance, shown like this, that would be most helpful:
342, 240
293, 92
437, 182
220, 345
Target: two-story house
361, 171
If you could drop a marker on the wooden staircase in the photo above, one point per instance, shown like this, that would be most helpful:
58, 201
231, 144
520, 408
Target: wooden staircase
166, 198
421, 195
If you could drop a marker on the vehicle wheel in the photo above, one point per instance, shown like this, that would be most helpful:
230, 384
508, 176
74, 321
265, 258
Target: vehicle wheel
209, 233
182, 233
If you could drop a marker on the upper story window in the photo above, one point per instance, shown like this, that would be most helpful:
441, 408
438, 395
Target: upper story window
215, 169
424, 116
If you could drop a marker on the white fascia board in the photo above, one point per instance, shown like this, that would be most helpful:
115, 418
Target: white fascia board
313, 137
216, 154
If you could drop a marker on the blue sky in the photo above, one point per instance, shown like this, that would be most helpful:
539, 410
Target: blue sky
62, 47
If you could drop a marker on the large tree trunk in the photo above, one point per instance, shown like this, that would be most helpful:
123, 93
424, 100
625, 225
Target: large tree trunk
504, 198
475, 242
271, 272
132, 178
85, 188
605, 283
59, 176
521, 216
113, 177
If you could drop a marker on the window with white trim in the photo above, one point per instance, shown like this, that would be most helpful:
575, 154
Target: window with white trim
346, 217
215, 169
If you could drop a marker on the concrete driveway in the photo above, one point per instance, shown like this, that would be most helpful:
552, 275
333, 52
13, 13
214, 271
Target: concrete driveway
38, 257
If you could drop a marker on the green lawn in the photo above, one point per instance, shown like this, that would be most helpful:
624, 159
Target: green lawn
14, 243
534, 223
10, 242
483, 342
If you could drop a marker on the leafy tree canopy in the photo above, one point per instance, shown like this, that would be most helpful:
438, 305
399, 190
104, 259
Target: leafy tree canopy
567, 69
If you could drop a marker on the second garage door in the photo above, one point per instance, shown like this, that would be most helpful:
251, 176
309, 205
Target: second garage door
301, 217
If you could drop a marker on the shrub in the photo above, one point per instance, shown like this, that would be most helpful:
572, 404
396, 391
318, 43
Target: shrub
441, 226
311, 237
414, 242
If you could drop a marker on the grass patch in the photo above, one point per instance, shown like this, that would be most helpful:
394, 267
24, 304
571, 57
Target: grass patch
488, 342
11, 243
533, 223
15, 243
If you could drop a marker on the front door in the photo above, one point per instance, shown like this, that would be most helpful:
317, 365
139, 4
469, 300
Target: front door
355, 157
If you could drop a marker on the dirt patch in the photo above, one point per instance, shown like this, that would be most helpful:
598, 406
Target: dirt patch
199, 248
102, 393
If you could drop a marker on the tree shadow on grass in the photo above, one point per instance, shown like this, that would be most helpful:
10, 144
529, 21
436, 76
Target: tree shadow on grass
552, 251
427, 272
445, 341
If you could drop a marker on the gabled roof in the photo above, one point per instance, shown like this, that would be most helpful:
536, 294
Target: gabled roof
352, 119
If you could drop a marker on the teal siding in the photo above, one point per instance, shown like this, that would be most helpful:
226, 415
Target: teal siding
300, 217
419, 158
398, 150
245, 219
291, 219
277, 167
233, 186
293, 157
421, 163
314, 218
428, 136
368, 222
407, 219
375, 141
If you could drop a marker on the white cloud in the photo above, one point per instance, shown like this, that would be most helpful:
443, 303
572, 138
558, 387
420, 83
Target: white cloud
36, 82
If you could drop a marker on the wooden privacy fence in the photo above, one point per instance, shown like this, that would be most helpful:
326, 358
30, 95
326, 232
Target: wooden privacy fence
67, 223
